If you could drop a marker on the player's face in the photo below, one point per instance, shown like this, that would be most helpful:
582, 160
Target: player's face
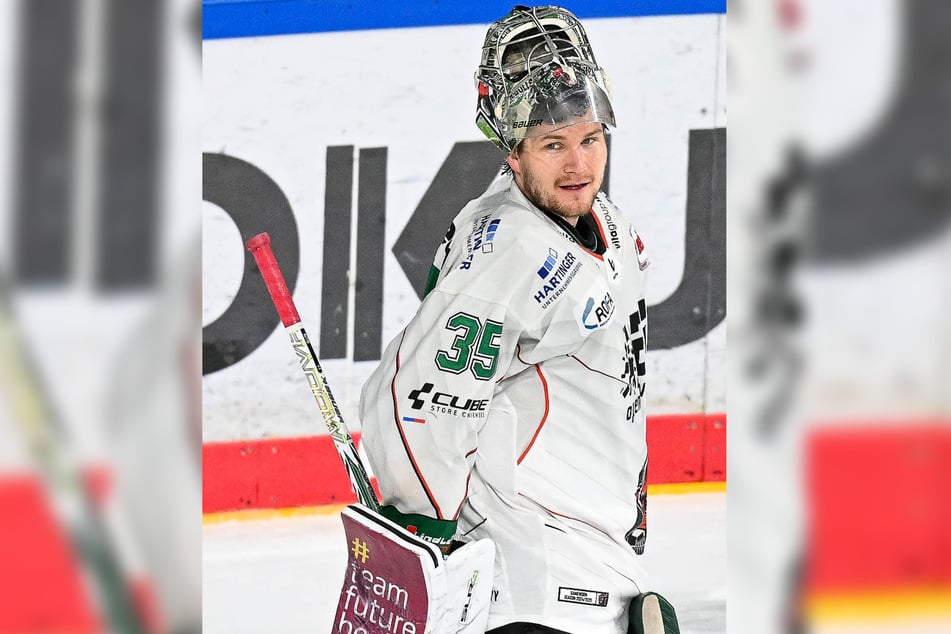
561, 171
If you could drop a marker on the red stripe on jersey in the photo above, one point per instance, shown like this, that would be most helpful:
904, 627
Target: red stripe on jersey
557, 514
588, 367
409, 452
544, 416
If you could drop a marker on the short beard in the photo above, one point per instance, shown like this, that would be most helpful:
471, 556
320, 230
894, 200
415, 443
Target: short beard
549, 203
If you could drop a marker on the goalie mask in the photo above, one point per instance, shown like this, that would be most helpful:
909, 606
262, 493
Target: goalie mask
538, 74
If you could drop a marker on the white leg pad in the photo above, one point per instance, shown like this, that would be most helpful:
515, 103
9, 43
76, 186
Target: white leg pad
396, 583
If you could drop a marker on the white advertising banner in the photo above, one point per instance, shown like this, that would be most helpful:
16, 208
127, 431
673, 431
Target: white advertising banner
355, 147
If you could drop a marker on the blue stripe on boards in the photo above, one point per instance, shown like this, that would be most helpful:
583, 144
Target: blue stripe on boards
248, 18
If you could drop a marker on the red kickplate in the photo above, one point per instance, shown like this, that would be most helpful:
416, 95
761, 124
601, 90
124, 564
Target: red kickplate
384, 588
714, 448
676, 445
41, 578
878, 507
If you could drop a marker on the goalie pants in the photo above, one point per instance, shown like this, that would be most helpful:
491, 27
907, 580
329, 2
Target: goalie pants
524, 628
553, 571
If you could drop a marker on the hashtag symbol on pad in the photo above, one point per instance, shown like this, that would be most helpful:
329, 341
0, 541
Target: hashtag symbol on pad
360, 550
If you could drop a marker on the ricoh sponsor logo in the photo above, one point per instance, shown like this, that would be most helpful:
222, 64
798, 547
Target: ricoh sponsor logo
610, 225
583, 597
480, 238
426, 399
557, 276
597, 313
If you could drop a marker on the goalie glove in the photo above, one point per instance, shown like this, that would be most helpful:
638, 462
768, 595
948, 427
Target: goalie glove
652, 614
438, 532
397, 582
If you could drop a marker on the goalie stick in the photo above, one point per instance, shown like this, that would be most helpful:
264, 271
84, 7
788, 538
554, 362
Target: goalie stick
260, 247
423, 592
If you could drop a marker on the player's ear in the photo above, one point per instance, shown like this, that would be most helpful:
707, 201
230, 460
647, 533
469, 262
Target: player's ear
512, 160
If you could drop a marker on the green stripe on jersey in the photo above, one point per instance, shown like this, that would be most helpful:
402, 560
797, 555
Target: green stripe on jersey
431, 280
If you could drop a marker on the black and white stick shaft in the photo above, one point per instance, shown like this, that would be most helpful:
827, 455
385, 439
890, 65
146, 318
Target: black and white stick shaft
260, 248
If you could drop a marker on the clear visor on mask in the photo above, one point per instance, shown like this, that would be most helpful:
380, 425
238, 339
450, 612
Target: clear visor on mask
552, 98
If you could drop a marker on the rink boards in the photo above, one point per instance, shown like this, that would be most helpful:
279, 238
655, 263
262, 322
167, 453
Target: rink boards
355, 148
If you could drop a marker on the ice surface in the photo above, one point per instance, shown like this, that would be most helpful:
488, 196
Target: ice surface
284, 574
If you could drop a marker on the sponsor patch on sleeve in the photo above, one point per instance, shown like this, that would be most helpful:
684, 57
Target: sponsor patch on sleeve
480, 239
642, 259
596, 312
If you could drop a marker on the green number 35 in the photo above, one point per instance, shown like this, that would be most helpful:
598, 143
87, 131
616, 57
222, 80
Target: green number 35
475, 348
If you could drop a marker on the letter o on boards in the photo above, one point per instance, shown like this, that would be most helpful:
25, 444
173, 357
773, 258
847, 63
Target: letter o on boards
255, 203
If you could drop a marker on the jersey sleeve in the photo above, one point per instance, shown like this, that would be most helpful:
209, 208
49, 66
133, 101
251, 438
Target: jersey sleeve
423, 407
422, 411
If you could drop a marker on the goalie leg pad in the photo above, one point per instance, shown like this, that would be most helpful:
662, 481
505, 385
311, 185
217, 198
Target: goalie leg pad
469, 575
396, 583
652, 614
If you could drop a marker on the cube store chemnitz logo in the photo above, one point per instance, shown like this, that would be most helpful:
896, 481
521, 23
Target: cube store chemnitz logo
415, 395
446, 403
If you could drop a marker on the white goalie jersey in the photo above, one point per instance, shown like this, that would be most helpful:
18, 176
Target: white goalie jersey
513, 400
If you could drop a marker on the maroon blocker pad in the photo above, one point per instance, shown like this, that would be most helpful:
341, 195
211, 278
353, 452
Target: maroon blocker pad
385, 587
